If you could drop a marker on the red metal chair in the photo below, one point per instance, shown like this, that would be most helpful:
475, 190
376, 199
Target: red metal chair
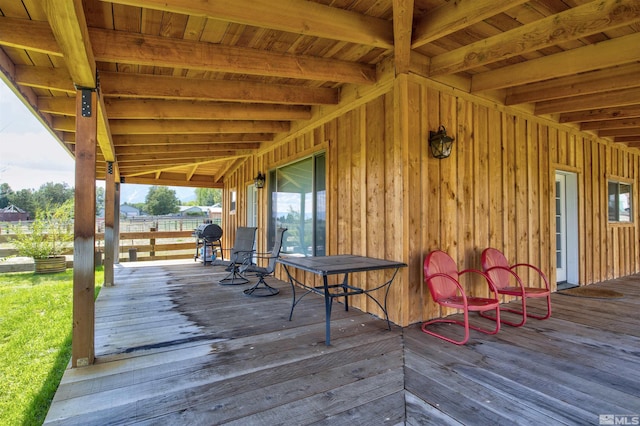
495, 264
441, 276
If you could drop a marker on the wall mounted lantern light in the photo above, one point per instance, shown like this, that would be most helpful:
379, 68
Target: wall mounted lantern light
440, 143
259, 180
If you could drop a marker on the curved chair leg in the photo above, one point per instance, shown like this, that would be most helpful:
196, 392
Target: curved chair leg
522, 313
261, 289
233, 278
464, 324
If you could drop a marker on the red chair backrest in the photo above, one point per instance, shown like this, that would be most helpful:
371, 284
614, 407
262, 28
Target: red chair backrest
439, 262
493, 257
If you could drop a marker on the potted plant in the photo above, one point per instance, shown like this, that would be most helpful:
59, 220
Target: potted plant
50, 235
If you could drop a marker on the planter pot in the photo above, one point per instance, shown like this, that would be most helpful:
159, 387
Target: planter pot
50, 265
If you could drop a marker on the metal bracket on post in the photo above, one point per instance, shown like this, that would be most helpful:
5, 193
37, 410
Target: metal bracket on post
110, 167
86, 102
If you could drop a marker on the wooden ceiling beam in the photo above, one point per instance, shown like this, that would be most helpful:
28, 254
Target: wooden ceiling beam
45, 78
402, 26
203, 149
140, 49
204, 110
295, 16
171, 158
69, 27
173, 180
181, 110
630, 111
57, 105
622, 77
456, 15
591, 101
631, 131
611, 124
572, 24
628, 140
34, 36
158, 127
164, 87
180, 139
609, 53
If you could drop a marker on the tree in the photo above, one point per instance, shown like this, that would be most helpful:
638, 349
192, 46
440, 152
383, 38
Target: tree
52, 195
99, 200
25, 200
5, 191
208, 196
161, 200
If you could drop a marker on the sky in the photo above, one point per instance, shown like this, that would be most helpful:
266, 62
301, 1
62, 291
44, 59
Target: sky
30, 156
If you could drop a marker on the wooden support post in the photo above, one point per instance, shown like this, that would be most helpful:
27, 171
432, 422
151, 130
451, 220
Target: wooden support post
116, 224
83, 349
109, 220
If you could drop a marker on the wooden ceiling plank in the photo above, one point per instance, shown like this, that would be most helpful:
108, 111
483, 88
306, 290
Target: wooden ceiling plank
402, 26
455, 16
580, 21
296, 16
158, 127
618, 51
163, 87
34, 36
622, 77
630, 111
141, 49
204, 110
591, 101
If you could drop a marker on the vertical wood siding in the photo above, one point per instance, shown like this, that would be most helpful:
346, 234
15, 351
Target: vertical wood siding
388, 197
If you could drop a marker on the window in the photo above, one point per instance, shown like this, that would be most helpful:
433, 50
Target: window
298, 203
620, 202
232, 207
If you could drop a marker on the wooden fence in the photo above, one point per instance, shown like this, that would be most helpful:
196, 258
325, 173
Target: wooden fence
138, 246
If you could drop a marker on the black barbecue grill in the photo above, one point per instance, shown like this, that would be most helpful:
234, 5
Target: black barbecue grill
207, 241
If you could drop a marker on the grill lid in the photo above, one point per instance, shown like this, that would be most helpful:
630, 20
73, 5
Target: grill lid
208, 231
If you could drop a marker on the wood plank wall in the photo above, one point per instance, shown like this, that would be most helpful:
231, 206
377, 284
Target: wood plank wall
388, 197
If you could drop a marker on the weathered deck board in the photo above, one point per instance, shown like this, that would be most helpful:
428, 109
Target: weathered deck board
174, 347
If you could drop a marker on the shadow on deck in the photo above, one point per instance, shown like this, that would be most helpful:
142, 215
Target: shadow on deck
174, 347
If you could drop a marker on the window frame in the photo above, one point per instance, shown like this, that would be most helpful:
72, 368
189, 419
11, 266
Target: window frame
617, 186
318, 189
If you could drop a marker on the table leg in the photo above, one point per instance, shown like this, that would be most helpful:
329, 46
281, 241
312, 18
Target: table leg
327, 305
345, 283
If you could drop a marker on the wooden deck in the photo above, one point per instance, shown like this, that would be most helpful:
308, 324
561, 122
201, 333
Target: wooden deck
173, 347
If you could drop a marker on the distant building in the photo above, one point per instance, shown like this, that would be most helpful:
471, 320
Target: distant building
192, 211
12, 213
129, 211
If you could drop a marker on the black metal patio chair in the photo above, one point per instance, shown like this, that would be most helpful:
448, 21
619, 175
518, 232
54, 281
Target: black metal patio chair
241, 253
261, 288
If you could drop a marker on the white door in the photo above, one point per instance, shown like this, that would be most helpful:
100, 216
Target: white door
561, 228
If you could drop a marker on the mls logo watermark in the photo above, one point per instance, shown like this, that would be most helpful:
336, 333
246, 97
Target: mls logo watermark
620, 419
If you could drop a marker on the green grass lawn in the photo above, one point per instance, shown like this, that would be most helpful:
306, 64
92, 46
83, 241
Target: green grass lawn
35, 342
